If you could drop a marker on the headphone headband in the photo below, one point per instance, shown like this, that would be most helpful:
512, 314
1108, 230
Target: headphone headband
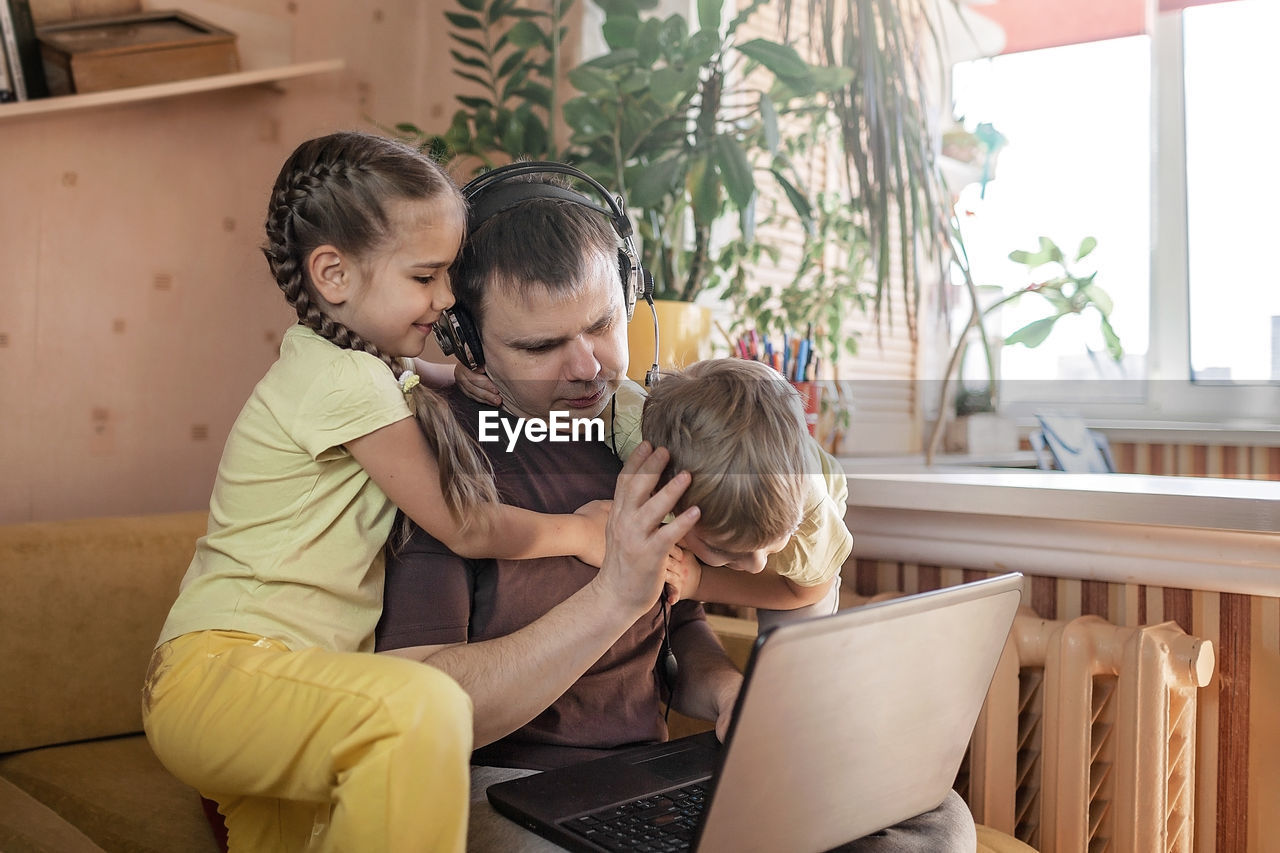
519, 191
495, 191
506, 196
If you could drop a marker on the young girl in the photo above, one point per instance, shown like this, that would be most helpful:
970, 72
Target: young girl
256, 695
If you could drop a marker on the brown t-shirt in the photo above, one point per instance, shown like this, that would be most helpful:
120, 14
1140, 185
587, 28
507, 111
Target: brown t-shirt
435, 597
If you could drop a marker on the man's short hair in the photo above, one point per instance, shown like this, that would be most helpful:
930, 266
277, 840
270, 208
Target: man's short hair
539, 243
738, 428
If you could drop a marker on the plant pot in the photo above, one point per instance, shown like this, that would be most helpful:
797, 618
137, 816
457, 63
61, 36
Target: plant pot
981, 433
684, 336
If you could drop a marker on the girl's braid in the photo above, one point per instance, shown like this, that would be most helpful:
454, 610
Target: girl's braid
303, 196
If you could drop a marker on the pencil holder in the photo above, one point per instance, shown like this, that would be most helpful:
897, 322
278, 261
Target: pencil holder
811, 399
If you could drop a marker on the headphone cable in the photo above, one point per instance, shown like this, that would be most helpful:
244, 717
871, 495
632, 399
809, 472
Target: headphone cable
653, 374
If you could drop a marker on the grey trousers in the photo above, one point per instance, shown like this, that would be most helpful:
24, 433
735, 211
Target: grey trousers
947, 829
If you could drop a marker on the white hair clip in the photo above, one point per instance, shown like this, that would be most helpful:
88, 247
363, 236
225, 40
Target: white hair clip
408, 381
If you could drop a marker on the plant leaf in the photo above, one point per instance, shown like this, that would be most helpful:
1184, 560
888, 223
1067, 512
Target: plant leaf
526, 34
498, 9
590, 80
467, 42
1051, 250
670, 86
709, 14
704, 191
1087, 245
799, 200
1039, 257
585, 117
1034, 333
827, 79
1100, 299
471, 61
654, 182
781, 59
769, 124
648, 43
472, 77
621, 32
464, 22
513, 61
1114, 349
734, 167
535, 93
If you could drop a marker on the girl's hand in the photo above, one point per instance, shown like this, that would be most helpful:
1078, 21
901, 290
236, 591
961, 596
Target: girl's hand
684, 573
596, 515
477, 385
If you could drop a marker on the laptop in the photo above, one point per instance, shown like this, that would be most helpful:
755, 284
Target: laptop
845, 724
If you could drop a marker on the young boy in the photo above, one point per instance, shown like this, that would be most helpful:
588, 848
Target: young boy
772, 533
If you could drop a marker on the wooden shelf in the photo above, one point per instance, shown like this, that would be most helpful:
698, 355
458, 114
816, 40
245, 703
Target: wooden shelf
255, 77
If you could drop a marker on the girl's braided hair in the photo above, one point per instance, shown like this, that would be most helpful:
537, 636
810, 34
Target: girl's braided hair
333, 190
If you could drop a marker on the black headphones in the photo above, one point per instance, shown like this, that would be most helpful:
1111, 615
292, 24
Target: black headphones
494, 192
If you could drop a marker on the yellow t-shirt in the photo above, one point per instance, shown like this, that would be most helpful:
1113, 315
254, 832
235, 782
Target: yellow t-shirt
296, 527
820, 545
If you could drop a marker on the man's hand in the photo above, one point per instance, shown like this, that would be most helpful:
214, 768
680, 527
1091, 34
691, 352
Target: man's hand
726, 698
477, 385
636, 541
596, 514
684, 573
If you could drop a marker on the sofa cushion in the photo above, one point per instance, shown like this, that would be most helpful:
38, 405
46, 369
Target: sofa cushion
82, 608
29, 826
116, 792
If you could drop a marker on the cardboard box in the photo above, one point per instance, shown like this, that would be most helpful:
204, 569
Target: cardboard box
93, 55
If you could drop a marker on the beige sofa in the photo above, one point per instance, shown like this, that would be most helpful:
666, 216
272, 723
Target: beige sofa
81, 607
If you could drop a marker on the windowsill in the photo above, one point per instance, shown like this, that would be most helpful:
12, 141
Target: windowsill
1208, 502
1188, 532
1236, 433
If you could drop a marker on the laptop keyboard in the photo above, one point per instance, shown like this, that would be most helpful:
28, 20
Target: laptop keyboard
656, 824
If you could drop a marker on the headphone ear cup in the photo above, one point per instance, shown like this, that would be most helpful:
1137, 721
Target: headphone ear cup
627, 273
457, 335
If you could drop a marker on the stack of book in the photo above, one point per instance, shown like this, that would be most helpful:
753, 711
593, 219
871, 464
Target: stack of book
21, 68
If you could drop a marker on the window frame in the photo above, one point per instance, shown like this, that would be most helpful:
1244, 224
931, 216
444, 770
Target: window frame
1170, 395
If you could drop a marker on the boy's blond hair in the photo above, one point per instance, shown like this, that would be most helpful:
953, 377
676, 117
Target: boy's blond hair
738, 428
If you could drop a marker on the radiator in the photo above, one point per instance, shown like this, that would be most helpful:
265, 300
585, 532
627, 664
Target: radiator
1086, 741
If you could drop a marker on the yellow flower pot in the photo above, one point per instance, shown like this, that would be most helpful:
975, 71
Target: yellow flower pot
684, 336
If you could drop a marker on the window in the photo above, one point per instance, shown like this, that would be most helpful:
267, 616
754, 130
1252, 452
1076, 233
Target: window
1096, 147
1076, 164
1233, 184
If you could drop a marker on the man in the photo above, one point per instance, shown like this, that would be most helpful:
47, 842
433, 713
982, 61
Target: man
561, 661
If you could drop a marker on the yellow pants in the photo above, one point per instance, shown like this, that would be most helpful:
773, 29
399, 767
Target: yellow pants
313, 750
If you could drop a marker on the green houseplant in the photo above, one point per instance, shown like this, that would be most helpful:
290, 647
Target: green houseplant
697, 126
694, 125
1069, 291
510, 54
689, 125
888, 145
685, 125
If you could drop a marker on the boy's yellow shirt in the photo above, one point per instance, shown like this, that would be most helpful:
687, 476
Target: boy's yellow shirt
822, 542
